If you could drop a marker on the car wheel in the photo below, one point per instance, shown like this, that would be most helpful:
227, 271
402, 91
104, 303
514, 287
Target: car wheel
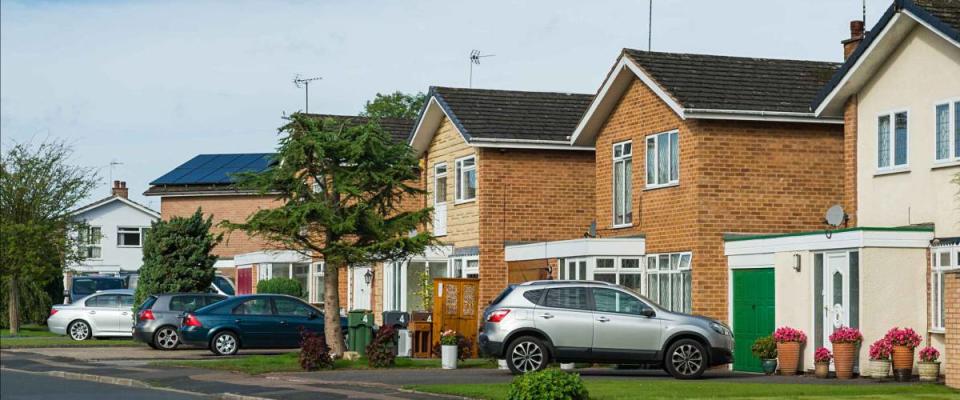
225, 344
527, 354
686, 359
79, 330
166, 338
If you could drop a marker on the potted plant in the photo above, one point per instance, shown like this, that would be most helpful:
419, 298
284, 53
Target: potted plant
846, 342
903, 341
448, 349
880, 352
821, 361
765, 348
929, 366
788, 348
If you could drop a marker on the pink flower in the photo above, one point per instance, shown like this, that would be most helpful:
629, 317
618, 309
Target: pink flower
785, 334
881, 349
903, 337
822, 355
929, 354
846, 335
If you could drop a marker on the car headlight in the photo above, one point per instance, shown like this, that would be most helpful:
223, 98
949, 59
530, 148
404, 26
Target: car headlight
718, 328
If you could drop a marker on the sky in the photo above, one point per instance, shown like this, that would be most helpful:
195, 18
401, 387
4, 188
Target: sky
152, 84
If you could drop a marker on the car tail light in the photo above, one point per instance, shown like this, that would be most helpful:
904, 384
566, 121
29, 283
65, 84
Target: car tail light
191, 320
146, 315
53, 311
498, 315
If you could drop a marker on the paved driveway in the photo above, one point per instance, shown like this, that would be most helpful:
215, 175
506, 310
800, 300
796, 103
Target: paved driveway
134, 353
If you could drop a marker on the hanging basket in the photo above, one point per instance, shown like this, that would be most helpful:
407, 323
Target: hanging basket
788, 356
844, 356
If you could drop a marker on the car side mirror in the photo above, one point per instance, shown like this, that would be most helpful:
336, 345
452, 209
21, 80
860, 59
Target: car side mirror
648, 312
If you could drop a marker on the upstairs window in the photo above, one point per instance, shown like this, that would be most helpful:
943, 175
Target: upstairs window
892, 134
129, 237
90, 242
622, 184
440, 183
947, 128
663, 159
466, 169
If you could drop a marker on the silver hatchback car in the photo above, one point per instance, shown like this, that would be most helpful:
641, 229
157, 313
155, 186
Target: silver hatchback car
535, 323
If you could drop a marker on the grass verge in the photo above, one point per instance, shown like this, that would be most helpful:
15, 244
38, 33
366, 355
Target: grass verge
28, 331
35, 336
289, 362
671, 389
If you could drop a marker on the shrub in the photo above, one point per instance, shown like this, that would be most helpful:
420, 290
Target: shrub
822, 355
380, 351
903, 337
786, 334
929, 354
881, 349
464, 345
285, 286
548, 384
764, 348
314, 353
177, 257
846, 335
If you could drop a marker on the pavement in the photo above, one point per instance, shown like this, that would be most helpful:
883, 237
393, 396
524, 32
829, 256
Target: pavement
28, 386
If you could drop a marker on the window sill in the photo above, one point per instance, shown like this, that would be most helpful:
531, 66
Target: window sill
459, 202
895, 171
129, 247
630, 225
655, 187
945, 164
938, 331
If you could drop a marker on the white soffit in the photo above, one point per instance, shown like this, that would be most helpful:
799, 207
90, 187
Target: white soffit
576, 248
840, 240
270, 256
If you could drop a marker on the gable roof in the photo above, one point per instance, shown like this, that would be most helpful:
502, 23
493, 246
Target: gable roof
714, 87
942, 17
398, 128
501, 118
110, 199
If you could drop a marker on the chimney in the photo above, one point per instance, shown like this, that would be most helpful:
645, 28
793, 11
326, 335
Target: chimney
856, 36
119, 189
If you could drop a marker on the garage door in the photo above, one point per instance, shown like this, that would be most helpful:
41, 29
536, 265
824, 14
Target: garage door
753, 313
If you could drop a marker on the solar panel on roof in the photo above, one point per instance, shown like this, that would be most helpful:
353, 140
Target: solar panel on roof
214, 168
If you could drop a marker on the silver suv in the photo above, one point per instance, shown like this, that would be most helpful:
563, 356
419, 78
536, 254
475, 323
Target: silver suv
535, 323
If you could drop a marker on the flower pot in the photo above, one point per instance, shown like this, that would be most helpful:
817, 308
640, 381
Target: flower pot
821, 369
448, 356
844, 356
902, 362
929, 371
788, 356
879, 369
769, 366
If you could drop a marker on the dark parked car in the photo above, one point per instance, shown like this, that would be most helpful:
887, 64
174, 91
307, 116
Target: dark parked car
251, 321
158, 318
85, 285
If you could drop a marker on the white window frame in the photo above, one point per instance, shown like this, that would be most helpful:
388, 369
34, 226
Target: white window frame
564, 273
892, 149
937, 276
626, 203
316, 271
140, 230
684, 297
464, 270
460, 171
656, 148
89, 244
952, 155
436, 176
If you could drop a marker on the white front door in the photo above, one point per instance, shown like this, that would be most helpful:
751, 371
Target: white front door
360, 289
836, 294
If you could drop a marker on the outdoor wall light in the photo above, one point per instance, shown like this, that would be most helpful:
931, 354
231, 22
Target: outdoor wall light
796, 262
368, 277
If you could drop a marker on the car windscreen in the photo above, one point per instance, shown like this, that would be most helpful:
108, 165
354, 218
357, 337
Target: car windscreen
224, 285
85, 286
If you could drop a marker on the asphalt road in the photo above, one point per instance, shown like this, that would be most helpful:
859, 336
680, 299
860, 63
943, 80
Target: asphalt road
24, 386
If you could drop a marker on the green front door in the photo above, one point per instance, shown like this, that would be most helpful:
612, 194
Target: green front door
753, 313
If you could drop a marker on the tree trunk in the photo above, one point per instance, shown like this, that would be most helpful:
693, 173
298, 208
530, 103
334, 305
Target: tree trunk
14, 306
331, 309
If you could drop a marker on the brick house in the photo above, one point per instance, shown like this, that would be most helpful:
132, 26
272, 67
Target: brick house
499, 169
898, 92
724, 145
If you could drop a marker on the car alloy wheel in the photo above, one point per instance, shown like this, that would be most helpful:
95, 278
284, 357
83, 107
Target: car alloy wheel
527, 356
225, 344
79, 330
687, 360
166, 338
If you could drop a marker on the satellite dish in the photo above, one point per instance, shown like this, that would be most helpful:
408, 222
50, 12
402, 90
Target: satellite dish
836, 216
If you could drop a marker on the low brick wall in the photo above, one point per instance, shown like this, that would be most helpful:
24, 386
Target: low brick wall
951, 364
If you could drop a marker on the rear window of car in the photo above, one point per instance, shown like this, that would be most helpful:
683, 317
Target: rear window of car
503, 294
85, 286
148, 303
567, 297
535, 296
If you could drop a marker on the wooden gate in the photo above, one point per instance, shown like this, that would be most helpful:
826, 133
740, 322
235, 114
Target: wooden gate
455, 307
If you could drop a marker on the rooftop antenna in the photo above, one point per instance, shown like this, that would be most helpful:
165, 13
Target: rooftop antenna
113, 163
834, 218
475, 57
864, 13
305, 84
650, 25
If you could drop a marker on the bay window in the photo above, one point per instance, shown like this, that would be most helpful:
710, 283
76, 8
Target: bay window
669, 281
622, 184
947, 131
663, 159
466, 179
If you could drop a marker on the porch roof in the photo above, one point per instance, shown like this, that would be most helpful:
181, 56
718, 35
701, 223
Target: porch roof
895, 237
620, 246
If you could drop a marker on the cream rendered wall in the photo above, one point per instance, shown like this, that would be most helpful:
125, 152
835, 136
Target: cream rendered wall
924, 70
463, 220
794, 298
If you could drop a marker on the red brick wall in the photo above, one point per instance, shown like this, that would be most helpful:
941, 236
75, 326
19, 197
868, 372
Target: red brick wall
529, 195
951, 365
735, 176
233, 208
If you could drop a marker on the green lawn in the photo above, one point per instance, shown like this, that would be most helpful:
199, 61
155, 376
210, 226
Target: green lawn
29, 331
288, 362
32, 336
671, 389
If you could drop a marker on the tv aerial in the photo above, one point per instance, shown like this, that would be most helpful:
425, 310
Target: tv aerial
305, 84
834, 218
475, 57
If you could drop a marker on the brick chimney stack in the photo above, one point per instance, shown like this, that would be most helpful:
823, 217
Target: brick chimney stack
119, 189
856, 36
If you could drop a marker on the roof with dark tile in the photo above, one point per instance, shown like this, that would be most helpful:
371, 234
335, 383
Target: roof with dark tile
699, 81
398, 128
947, 11
512, 114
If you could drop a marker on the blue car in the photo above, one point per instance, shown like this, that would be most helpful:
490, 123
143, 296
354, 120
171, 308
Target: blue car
251, 321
